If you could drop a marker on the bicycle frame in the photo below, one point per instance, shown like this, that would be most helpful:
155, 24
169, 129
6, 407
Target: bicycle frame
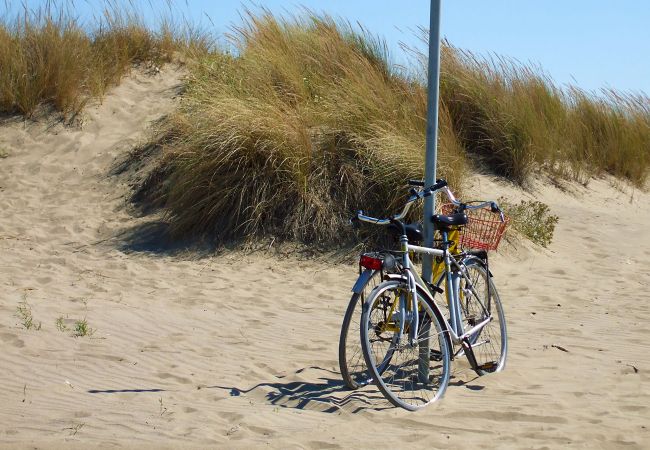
454, 326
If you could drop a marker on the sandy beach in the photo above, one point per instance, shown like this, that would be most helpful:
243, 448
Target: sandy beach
238, 349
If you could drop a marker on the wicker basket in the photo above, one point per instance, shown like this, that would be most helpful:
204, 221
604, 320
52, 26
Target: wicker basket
484, 228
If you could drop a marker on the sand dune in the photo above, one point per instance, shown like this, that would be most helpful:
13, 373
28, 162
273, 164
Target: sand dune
238, 350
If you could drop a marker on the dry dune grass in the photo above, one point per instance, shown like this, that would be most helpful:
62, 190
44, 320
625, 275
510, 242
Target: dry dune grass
49, 57
517, 119
308, 122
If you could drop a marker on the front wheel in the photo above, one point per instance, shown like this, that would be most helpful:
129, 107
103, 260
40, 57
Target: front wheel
480, 300
416, 373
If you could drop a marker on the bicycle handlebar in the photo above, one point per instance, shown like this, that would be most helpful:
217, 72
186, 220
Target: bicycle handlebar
440, 185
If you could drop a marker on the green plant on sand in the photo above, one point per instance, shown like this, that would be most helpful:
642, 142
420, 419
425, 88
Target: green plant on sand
81, 328
60, 324
24, 313
532, 219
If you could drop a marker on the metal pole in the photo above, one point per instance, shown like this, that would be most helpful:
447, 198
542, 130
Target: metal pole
432, 131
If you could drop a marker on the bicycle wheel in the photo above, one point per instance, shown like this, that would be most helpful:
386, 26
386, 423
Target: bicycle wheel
351, 363
409, 376
490, 343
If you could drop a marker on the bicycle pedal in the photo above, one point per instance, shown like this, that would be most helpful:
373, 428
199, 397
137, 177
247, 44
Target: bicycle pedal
434, 288
489, 366
435, 355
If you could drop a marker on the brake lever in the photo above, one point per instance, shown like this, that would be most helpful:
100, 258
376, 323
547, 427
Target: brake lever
494, 207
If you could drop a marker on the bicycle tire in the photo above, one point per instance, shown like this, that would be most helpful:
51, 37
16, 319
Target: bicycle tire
402, 385
351, 362
490, 343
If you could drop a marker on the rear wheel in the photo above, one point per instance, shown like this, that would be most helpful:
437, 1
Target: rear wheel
410, 375
351, 363
480, 300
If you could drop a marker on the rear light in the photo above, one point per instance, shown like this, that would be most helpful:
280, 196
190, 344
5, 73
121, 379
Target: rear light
370, 262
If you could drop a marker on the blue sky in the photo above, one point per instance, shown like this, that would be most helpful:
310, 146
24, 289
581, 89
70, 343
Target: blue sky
590, 43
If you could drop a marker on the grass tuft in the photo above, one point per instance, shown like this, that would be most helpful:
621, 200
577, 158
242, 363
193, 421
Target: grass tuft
81, 328
515, 119
24, 313
60, 324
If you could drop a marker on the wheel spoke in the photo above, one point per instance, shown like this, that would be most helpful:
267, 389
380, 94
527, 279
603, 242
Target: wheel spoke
489, 343
407, 376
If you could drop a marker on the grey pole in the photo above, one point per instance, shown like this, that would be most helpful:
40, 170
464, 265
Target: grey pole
430, 169
432, 131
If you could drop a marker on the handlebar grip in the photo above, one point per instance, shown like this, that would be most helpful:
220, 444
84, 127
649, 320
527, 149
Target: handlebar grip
354, 220
440, 183
416, 183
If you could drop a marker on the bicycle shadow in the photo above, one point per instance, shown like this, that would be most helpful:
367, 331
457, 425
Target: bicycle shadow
328, 395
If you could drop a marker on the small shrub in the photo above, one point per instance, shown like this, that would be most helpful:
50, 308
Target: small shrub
532, 219
3, 153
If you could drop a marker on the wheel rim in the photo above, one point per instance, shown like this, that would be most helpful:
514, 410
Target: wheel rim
352, 365
489, 344
410, 376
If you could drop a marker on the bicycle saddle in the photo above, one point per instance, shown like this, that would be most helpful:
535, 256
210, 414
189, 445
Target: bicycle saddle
445, 222
413, 232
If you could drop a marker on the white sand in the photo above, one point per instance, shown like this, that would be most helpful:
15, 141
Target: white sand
240, 350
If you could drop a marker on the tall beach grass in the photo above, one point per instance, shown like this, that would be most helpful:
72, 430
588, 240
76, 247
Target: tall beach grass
306, 120
517, 120
50, 57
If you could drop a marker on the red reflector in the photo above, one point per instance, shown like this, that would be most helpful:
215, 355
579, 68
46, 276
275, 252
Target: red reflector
370, 263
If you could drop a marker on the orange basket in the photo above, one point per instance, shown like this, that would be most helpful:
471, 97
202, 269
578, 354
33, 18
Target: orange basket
484, 228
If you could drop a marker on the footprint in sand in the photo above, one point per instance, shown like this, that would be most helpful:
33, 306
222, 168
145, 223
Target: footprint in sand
12, 339
261, 430
230, 416
166, 376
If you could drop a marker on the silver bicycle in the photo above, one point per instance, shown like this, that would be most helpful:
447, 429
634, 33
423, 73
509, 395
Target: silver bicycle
406, 340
